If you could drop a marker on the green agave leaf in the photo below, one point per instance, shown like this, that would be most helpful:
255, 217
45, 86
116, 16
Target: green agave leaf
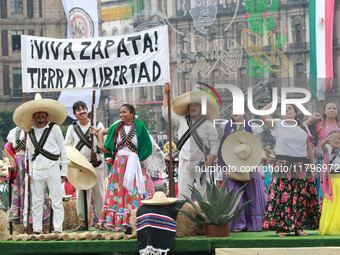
202, 215
197, 194
227, 201
240, 210
209, 186
236, 200
214, 198
223, 220
199, 222
209, 212
223, 188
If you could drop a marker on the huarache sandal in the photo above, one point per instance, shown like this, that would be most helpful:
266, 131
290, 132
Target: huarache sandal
80, 228
300, 233
102, 227
238, 230
280, 234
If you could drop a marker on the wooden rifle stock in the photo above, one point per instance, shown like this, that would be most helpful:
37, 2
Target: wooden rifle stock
93, 154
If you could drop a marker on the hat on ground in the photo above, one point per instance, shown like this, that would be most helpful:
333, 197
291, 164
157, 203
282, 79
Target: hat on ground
56, 111
242, 152
81, 173
268, 149
180, 104
160, 199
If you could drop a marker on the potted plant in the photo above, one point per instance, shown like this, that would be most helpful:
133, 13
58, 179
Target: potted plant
216, 214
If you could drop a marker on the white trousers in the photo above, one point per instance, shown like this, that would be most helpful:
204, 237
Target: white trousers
188, 171
98, 194
40, 178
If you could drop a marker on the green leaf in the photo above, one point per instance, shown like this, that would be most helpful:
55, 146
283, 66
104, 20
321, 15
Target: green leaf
236, 200
267, 189
240, 210
199, 222
202, 215
223, 220
209, 212
227, 201
197, 194
214, 198
223, 188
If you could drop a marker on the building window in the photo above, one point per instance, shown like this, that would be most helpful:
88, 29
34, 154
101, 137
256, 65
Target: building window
298, 32
30, 31
186, 78
16, 6
17, 88
41, 32
143, 92
30, 10
3, 9
5, 79
16, 41
215, 77
242, 79
115, 31
4, 42
40, 8
299, 70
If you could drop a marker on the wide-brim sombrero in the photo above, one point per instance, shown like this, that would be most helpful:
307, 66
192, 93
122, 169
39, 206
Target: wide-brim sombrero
238, 167
180, 104
81, 173
23, 115
159, 198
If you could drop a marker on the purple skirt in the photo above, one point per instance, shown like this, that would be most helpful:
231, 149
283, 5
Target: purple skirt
16, 212
251, 217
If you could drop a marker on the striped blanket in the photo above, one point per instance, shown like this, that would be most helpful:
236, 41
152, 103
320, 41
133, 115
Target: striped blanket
156, 228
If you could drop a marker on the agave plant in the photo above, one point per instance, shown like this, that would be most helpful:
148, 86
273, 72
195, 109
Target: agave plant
221, 206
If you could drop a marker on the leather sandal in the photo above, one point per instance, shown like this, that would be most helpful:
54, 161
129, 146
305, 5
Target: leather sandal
280, 234
238, 230
300, 233
80, 228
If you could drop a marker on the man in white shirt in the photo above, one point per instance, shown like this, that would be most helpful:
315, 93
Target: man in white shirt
47, 156
78, 136
198, 143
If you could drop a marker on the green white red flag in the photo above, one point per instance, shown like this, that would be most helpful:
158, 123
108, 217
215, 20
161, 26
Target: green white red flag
321, 14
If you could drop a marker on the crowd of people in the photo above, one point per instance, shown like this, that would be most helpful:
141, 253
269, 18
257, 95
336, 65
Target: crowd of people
129, 158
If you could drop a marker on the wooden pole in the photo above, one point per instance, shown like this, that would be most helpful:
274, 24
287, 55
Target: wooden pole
170, 149
29, 229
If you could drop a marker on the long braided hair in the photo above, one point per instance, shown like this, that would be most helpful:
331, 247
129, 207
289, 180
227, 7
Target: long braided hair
121, 124
299, 122
324, 116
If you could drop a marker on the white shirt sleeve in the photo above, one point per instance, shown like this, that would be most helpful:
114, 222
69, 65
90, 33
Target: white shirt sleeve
256, 129
68, 136
63, 155
174, 116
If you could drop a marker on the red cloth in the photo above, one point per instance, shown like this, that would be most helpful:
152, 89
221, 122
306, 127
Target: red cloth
69, 189
13, 153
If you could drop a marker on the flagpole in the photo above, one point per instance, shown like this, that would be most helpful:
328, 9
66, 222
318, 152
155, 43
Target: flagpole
170, 149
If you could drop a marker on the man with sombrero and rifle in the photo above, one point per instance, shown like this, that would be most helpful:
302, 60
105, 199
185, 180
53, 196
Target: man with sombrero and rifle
78, 136
46, 152
198, 138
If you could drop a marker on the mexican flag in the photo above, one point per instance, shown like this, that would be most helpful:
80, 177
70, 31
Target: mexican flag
321, 14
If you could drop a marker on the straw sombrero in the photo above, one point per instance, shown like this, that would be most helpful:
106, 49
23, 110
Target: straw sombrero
268, 149
179, 104
22, 116
242, 151
81, 173
3, 173
160, 199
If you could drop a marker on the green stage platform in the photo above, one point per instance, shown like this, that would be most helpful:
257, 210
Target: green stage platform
194, 245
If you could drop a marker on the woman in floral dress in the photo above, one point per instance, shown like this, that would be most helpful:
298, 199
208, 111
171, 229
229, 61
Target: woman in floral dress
15, 151
292, 202
128, 143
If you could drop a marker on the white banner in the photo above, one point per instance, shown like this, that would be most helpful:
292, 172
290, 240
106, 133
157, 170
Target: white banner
133, 60
82, 18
